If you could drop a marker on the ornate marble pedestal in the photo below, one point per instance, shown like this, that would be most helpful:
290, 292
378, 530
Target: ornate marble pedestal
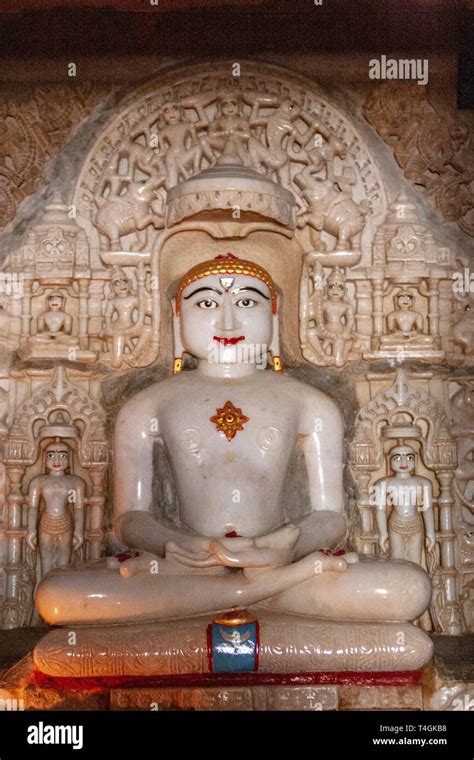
286, 644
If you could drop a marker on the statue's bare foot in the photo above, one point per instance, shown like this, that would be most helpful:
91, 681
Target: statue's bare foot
326, 563
314, 564
145, 563
351, 558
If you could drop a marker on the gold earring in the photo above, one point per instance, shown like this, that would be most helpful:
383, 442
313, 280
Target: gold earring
276, 364
177, 365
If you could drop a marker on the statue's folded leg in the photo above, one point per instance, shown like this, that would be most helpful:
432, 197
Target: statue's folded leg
372, 590
97, 594
367, 590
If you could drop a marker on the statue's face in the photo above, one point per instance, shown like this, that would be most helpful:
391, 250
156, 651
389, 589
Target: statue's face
55, 302
171, 113
228, 316
121, 285
287, 106
229, 107
57, 457
336, 290
405, 301
403, 460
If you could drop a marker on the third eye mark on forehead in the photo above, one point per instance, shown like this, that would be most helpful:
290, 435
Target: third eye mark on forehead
220, 292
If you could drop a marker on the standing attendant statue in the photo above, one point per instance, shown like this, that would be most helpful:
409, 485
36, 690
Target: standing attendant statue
409, 494
57, 533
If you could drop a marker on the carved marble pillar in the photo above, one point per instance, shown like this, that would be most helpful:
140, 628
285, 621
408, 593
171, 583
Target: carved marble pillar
26, 308
15, 534
96, 501
367, 541
83, 312
446, 538
377, 278
430, 289
363, 314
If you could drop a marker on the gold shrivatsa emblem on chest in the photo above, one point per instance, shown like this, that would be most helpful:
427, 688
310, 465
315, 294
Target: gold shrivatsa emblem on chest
229, 420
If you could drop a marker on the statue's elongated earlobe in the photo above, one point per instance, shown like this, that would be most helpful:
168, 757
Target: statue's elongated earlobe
275, 346
177, 345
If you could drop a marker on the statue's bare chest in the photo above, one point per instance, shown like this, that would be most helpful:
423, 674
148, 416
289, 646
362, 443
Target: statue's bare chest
224, 420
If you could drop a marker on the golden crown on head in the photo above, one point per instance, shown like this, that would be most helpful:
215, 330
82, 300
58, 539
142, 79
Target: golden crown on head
228, 264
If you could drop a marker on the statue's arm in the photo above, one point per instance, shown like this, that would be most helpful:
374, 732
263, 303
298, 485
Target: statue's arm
381, 495
79, 514
350, 318
34, 494
391, 323
322, 436
419, 323
136, 428
428, 515
67, 324
109, 310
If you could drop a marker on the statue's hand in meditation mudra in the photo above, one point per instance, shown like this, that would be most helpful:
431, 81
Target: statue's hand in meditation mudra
230, 429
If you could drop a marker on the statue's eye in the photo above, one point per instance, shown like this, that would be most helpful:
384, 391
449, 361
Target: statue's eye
208, 303
246, 303
50, 455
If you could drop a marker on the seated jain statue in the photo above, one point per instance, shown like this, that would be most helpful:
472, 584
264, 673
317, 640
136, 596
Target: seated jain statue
405, 325
230, 430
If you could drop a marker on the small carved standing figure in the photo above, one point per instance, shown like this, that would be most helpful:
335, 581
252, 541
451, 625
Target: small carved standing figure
179, 144
230, 130
408, 494
125, 315
57, 533
333, 315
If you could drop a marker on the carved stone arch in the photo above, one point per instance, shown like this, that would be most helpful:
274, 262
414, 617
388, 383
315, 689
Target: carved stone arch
56, 399
195, 89
402, 398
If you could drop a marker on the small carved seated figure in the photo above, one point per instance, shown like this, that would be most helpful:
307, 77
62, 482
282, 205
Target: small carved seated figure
58, 533
405, 325
410, 495
54, 324
53, 337
230, 431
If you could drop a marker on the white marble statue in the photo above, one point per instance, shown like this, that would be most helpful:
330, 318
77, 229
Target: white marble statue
230, 431
410, 496
334, 320
54, 324
58, 532
405, 325
125, 315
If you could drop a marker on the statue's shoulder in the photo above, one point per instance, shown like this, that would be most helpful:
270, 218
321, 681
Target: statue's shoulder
153, 395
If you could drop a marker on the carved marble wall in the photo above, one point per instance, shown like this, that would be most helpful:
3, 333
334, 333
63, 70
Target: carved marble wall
367, 280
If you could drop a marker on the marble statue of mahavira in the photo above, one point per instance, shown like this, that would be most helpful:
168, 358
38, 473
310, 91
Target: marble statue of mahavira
230, 429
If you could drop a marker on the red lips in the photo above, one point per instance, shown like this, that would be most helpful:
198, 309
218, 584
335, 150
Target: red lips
229, 341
